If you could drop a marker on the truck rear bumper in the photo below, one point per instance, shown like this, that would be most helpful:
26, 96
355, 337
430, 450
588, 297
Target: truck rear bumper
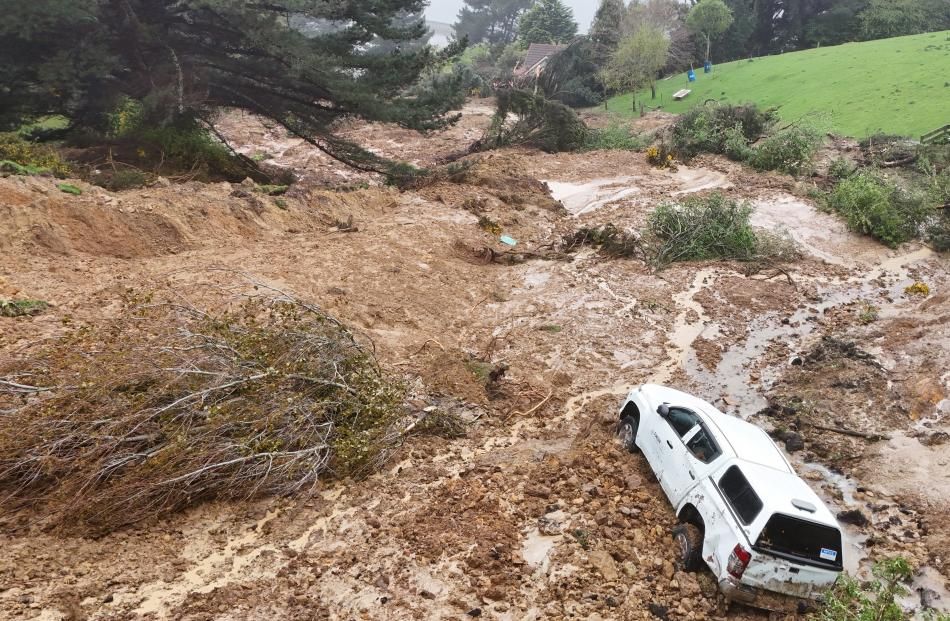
767, 600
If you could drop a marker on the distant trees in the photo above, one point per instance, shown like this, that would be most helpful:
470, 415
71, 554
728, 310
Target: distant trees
709, 18
893, 18
605, 31
181, 60
547, 21
637, 61
490, 21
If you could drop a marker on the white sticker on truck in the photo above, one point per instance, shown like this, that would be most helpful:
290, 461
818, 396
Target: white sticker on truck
828, 555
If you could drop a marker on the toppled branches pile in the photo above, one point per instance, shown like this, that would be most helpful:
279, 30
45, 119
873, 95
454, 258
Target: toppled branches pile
611, 240
171, 405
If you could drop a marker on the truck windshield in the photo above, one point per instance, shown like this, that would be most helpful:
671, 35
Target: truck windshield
813, 543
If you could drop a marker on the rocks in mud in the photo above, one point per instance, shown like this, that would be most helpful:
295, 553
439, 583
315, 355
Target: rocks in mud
937, 438
658, 611
853, 516
794, 442
552, 524
605, 564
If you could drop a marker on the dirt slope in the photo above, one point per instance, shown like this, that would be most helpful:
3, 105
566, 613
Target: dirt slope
535, 514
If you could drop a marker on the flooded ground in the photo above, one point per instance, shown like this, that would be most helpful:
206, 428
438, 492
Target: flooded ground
536, 513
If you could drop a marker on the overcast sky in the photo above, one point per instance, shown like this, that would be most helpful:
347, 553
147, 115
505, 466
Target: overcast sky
447, 10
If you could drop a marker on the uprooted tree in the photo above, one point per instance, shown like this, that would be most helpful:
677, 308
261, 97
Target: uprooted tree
304, 64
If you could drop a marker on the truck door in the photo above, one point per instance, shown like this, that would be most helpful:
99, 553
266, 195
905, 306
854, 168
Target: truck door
669, 453
696, 462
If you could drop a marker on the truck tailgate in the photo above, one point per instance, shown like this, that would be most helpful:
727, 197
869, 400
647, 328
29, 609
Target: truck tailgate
783, 576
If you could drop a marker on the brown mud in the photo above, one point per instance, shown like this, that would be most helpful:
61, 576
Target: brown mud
535, 514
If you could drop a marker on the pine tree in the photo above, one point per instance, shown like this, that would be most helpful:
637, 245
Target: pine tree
302, 63
606, 32
548, 21
491, 21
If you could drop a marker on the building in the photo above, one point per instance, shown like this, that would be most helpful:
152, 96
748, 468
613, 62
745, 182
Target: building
537, 59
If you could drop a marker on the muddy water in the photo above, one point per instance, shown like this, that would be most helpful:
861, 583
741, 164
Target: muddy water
583, 198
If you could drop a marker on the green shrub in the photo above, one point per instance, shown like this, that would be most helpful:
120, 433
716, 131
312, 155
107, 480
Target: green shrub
30, 158
22, 308
876, 600
841, 168
875, 206
705, 129
933, 159
69, 188
117, 181
736, 145
616, 138
706, 228
790, 150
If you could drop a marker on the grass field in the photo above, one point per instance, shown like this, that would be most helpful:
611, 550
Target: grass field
897, 86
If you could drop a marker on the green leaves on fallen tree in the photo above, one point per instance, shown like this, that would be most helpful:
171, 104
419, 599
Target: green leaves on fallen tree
538, 122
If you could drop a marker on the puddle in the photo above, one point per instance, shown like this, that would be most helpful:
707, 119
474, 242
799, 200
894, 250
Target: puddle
694, 180
583, 198
819, 234
536, 550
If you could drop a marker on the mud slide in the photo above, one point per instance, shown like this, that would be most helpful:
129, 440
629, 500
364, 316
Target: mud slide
536, 513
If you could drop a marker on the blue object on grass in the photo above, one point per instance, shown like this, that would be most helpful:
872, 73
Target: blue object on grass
707, 68
691, 75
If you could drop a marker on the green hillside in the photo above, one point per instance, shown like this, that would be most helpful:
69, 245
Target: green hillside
897, 86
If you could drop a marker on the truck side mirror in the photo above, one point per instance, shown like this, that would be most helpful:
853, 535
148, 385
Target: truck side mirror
663, 410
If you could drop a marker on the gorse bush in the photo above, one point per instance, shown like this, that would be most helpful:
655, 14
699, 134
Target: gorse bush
707, 228
30, 158
873, 205
790, 151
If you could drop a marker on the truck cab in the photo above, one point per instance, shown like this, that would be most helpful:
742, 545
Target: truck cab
744, 513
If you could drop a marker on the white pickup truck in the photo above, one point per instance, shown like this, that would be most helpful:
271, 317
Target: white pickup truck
767, 537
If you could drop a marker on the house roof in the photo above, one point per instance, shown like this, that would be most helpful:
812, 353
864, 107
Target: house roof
537, 54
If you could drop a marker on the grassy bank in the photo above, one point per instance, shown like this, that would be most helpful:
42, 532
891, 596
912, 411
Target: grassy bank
897, 86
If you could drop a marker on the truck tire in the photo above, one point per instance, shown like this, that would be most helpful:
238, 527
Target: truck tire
689, 546
627, 433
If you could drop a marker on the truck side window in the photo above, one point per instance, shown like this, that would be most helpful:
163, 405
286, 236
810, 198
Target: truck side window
737, 490
682, 420
703, 447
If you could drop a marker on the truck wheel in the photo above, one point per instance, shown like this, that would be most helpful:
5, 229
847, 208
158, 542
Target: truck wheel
689, 546
627, 433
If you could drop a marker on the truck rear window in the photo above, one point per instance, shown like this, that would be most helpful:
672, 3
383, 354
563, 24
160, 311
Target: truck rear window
790, 536
737, 490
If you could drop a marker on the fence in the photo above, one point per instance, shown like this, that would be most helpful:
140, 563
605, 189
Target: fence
937, 135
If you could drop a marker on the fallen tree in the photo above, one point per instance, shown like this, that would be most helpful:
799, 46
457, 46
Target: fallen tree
170, 405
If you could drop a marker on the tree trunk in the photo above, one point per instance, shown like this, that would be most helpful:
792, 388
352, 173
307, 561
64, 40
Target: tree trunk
653, 90
708, 47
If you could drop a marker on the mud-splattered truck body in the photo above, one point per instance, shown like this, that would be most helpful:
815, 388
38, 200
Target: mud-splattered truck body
743, 512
